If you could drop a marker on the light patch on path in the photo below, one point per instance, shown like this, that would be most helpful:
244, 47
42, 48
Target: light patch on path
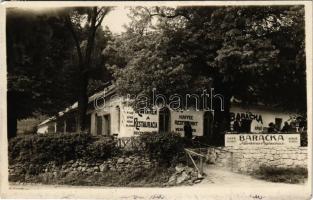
219, 184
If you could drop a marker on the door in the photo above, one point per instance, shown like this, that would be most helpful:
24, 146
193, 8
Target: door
99, 124
164, 120
208, 125
107, 124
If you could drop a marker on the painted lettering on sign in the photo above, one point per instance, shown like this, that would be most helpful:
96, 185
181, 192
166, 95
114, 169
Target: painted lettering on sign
292, 140
259, 137
144, 124
137, 123
195, 118
247, 116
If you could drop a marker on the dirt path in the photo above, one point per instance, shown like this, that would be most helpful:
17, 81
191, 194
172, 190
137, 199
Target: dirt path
219, 176
218, 184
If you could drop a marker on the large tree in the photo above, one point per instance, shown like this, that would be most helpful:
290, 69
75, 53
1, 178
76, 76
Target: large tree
40, 67
255, 54
83, 24
44, 69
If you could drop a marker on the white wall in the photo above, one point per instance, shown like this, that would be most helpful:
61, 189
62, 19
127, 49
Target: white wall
126, 117
43, 129
266, 115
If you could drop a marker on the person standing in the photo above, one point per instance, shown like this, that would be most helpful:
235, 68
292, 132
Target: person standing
286, 127
237, 126
187, 130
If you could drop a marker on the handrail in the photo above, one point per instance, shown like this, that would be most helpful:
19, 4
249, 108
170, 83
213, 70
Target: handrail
195, 153
213, 147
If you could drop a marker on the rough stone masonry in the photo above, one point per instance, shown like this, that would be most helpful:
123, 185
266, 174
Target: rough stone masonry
249, 159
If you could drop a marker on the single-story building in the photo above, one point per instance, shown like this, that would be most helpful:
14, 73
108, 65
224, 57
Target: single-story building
109, 114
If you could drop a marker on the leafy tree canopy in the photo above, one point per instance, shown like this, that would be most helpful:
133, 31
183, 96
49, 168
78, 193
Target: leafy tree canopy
255, 54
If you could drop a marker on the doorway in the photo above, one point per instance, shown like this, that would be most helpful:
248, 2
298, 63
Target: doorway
164, 120
208, 125
106, 125
99, 124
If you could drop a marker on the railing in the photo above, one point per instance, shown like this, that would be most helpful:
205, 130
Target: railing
203, 155
191, 154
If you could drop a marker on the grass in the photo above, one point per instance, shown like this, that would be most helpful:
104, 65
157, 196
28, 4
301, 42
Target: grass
283, 175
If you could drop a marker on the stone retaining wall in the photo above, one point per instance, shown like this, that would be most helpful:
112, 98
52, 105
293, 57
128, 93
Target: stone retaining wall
121, 163
182, 175
249, 159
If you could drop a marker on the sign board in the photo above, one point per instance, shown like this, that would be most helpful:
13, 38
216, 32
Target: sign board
178, 119
255, 118
288, 140
137, 123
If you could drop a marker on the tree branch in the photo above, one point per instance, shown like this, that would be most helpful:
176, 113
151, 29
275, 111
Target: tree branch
162, 14
69, 25
104, 12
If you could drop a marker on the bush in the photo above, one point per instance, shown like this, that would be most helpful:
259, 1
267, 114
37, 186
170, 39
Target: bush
40, 149
166, 148
34, 151
280, 174
102, 148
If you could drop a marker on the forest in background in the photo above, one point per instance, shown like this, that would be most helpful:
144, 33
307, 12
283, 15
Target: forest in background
253, 53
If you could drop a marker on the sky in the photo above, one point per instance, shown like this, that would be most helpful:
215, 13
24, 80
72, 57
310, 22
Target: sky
116, 19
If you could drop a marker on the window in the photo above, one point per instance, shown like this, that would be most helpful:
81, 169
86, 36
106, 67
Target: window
118, 113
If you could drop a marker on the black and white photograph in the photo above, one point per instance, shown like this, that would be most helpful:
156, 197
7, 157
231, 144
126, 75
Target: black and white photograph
156, 100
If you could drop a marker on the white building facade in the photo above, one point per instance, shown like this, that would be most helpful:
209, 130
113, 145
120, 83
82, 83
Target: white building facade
109, 114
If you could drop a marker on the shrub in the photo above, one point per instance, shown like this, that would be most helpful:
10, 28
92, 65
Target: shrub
102, 148
34, 151
40, 149
167, 148
280, 174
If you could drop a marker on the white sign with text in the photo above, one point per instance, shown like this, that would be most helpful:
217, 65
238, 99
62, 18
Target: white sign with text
195, 118
288, 140
138, 123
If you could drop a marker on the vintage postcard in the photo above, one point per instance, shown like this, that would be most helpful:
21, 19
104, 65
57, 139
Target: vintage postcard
156, 100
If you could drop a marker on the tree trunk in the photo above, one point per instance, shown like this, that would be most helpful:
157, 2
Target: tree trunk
82, 102
11, 119
84, 68
85, 62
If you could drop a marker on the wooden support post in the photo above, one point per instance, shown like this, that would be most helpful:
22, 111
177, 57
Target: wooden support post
201, 165
193, 162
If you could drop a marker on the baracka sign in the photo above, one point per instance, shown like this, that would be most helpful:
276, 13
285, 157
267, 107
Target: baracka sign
289, 140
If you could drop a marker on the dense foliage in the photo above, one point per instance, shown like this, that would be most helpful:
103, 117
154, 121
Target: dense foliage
101, 148
59, 148
251, 53
44, 71
167, 148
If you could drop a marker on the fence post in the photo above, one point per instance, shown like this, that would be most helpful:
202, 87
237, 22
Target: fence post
201, 165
